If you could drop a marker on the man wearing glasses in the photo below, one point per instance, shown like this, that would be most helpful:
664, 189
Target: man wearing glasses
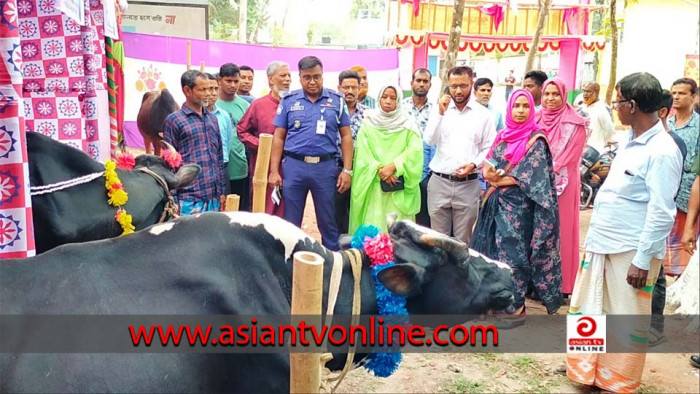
463, 131
307, 125
626, 241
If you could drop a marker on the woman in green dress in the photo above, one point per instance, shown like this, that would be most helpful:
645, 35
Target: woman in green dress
389, 150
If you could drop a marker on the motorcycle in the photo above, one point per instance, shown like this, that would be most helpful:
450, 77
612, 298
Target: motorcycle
594, 168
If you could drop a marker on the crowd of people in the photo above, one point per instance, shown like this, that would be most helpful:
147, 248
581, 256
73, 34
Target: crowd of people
506, 184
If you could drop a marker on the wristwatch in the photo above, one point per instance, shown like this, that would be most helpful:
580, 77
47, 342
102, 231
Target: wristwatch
349, 172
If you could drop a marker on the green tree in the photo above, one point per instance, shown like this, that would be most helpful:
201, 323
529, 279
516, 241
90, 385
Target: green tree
223, 19
375, 8
257, 18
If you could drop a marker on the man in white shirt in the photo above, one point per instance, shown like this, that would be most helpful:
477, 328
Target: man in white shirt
463, 131
626, 241
601, 123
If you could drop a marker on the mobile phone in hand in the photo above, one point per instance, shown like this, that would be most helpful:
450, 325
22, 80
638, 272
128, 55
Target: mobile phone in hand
276, 195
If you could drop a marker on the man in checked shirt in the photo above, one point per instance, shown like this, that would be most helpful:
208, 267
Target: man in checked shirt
194, 133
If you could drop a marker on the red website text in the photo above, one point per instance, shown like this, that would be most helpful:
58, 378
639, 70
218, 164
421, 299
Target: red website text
303, 334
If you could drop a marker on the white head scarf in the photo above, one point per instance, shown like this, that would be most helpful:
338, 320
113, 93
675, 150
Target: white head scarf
394, 121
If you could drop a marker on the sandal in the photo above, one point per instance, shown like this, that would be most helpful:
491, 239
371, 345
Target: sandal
655, 337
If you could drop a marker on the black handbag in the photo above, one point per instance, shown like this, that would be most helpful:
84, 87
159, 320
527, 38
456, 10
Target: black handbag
388, 188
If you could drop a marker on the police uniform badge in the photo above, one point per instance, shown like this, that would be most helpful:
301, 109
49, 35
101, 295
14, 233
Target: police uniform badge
297, 123
279, 109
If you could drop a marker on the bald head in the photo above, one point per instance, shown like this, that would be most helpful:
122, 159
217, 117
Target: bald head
591, 90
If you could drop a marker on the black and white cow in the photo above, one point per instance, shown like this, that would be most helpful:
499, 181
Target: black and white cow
217, 264
81, 213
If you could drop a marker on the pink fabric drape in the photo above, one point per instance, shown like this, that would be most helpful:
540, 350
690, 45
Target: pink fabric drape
496, 13
576, 21
416, 6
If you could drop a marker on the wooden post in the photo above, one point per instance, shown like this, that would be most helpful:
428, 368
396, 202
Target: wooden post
307, 296
232, 202
189, 55
262, 166
201, 67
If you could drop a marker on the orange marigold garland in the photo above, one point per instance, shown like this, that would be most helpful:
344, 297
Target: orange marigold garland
117, 197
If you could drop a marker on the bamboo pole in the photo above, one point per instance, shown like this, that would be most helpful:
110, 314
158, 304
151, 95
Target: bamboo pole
307, 295
201, 67
262, 166
189, 55
232, 202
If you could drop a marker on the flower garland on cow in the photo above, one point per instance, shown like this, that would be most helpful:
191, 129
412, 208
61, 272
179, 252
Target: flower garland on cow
117, 195
380, 250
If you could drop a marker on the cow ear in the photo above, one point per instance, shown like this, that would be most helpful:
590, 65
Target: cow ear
186, 174
402, 279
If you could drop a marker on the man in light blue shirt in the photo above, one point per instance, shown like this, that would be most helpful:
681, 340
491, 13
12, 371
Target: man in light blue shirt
626, 242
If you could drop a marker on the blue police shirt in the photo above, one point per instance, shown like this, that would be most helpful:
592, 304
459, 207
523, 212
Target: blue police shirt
299, 116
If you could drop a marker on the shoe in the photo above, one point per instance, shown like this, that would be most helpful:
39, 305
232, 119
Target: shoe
695, 361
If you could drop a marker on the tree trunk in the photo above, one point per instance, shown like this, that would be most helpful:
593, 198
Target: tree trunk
242, 21
541, 22
613, 56
453, 43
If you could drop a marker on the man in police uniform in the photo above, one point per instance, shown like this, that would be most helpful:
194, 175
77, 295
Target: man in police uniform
307, 125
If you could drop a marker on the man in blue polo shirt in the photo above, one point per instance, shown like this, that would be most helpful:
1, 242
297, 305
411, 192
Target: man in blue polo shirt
306, 130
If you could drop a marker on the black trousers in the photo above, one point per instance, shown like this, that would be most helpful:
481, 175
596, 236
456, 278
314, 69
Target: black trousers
342, 211
658, 302
242, 188
423, 218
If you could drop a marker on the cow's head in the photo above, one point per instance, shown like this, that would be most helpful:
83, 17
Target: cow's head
441, 275
183, 177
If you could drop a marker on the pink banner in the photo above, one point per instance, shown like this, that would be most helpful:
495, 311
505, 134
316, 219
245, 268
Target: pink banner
174, 50
16, 224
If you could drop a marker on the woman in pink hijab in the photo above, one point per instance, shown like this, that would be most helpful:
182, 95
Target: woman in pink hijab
519, 220
566, 131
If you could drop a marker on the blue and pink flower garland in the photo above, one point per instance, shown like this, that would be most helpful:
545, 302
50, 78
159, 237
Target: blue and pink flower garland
380, 250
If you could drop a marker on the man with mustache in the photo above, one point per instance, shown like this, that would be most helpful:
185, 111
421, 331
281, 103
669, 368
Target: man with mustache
349, 86
602, 126
463, 131
363, 97
246, 84
258, 120
307, 125
420, 108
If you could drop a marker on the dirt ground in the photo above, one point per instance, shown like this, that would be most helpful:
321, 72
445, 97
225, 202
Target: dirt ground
505, 373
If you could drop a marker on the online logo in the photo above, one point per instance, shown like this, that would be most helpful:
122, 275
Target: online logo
585, 334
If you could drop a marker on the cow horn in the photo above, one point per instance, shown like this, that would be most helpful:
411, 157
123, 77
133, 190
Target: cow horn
445, 243
168, 146
390, 219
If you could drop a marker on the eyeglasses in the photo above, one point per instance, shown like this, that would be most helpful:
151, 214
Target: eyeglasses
616, 104
316, 78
